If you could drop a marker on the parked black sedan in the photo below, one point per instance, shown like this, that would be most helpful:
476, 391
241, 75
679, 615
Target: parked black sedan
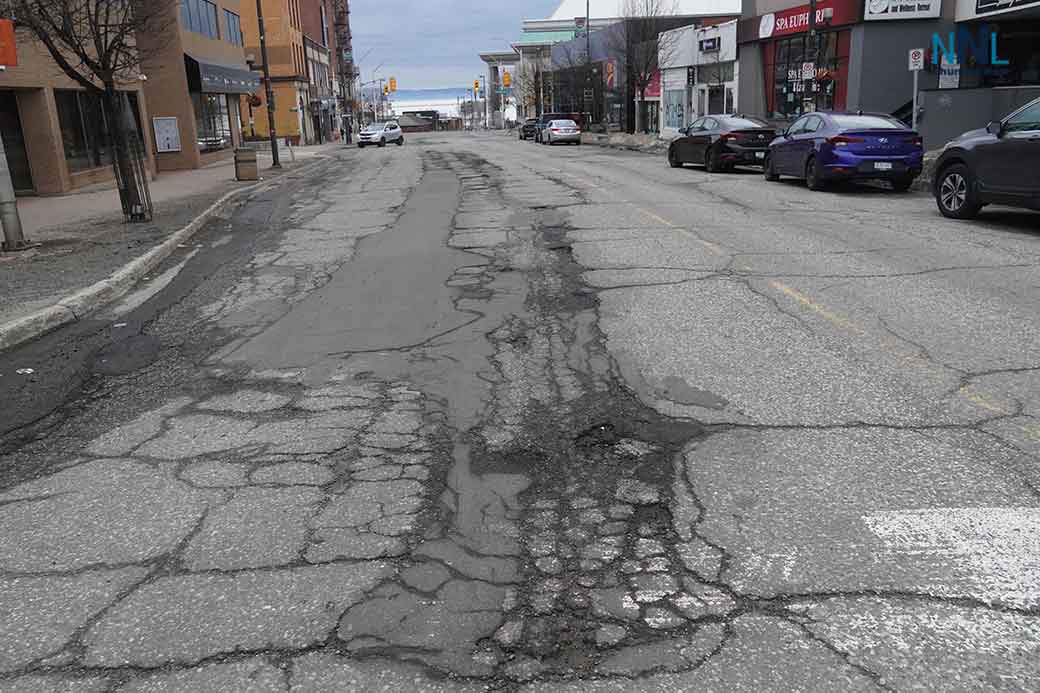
720, 142
997, 165
527, 128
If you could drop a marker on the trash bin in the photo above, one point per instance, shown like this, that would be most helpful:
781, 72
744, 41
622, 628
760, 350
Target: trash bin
245, 165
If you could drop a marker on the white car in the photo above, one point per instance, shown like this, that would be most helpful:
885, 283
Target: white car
561, 131
380, 134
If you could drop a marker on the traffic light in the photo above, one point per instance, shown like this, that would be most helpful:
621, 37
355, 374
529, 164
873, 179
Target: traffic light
507, 80
386, 90
476, 85
393, 84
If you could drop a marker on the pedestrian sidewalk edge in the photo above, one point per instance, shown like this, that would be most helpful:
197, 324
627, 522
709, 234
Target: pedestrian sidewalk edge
82, 303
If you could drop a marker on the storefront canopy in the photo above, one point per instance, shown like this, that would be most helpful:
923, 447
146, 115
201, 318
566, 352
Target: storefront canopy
214, 78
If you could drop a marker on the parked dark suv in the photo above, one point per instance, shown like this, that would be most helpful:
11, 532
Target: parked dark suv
997, 165
527, 128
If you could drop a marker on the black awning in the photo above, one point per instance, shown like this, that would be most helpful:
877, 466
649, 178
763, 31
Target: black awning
214, 78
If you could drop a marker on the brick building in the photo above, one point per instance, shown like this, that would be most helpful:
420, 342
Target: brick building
53, 129
287, 59
196, 74
322, 68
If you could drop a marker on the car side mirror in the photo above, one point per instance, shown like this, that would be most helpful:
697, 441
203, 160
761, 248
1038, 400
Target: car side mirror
995, 127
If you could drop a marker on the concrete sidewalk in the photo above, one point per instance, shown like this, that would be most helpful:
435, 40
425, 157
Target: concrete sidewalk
42, 217
84, 242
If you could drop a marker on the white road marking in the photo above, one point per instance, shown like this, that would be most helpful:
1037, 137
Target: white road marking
996, 550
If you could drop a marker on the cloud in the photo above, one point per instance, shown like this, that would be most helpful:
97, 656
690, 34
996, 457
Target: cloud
436, 43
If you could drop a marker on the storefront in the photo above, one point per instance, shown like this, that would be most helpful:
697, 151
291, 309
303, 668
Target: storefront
798, 73
650, 104
55, 133
196, 74
858, 59
700, 74
974, 88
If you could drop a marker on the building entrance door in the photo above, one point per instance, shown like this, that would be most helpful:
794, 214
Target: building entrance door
14, 142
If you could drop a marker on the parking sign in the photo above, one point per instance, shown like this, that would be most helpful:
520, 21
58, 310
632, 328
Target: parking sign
916, 59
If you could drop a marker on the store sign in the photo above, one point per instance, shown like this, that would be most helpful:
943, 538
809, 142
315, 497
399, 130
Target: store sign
796, 19
8, 50
710, 45
876, 10
988, 6
949, 74
610, 74
653, 90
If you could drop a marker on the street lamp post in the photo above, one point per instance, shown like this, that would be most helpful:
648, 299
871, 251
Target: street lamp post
275, 163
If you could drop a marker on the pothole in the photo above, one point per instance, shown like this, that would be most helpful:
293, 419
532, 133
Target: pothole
602, 565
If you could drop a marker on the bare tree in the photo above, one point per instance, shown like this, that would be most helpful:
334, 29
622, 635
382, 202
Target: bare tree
94, 42
637, 38
526, 83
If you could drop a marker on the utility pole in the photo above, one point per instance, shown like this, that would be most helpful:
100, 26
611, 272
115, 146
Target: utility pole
275, 163
12, 223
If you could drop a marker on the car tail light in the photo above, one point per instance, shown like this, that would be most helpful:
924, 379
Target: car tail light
844, 140
555, 129
916, 141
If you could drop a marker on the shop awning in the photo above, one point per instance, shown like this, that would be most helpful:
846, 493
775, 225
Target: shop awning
214, 78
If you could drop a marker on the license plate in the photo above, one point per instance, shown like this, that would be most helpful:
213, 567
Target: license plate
760, 155
882, 166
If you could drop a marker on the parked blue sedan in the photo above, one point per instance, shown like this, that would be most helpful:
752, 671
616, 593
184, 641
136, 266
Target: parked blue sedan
827, 147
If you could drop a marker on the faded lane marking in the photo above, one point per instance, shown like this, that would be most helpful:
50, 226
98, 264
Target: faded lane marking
969, 393
717, 250
814, 306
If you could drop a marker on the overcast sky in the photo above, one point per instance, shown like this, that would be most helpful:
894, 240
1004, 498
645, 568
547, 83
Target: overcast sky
431, 44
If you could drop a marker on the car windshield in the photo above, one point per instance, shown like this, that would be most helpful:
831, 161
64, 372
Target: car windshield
375, 127
866, 122
565, 124
739, 123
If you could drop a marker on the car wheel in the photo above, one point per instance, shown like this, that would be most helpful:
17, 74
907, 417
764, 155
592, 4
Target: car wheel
955, 193
902, 184
673, 158
360, 145
400, 141
711, 161
812, 175
770, 173
382, 142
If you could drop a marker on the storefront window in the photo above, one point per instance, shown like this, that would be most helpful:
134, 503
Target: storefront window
84, 131
1019, 44
212, 121
797, 84
675, 108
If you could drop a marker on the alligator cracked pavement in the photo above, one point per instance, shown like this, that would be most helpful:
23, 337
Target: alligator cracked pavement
471, 415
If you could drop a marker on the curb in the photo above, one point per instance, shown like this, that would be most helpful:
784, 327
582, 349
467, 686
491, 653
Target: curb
82, 303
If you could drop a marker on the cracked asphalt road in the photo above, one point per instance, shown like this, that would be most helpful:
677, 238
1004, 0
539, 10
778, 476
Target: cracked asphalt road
473, 414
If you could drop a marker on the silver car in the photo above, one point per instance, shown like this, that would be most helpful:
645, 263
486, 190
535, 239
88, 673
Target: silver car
380, 134
561, 131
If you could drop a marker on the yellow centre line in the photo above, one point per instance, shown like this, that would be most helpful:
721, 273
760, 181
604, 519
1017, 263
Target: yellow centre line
715, 249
